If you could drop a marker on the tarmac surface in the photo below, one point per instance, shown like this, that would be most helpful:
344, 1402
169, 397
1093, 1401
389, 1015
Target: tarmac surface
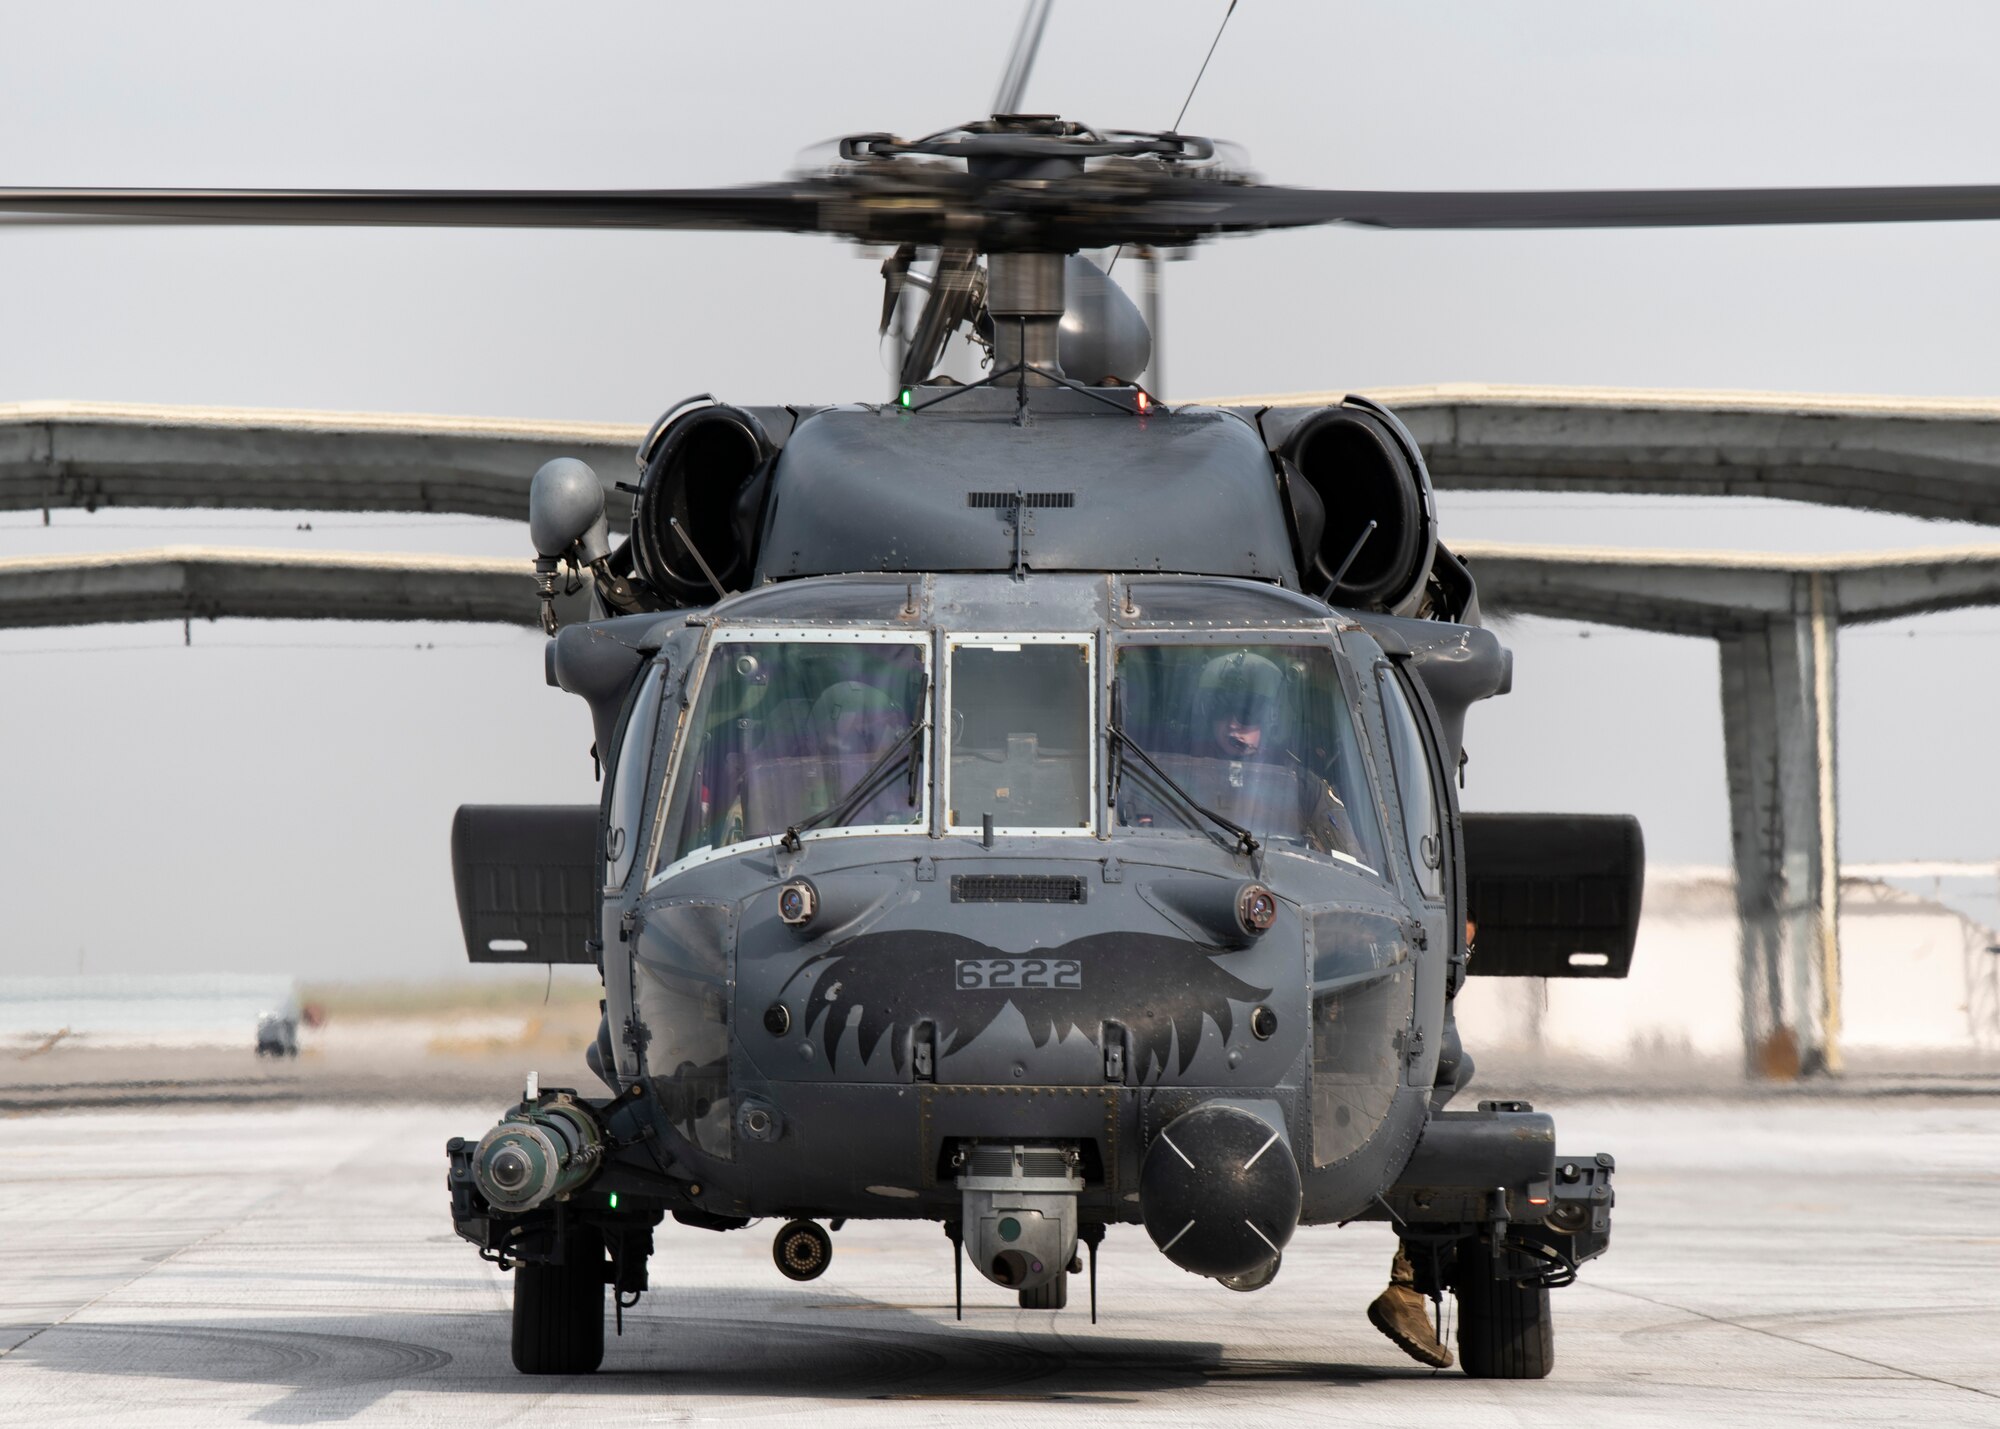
1773, 1263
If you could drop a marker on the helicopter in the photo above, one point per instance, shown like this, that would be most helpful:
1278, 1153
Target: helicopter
1028, 805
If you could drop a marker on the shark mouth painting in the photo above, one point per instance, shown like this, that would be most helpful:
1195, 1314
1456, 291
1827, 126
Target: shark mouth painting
1162, 989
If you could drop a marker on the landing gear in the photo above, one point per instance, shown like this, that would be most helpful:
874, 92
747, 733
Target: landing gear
1504, 1330
559, 1309
1052, 1296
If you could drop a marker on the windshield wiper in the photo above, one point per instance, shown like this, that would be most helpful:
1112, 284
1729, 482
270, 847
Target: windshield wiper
861, 789
1246, 842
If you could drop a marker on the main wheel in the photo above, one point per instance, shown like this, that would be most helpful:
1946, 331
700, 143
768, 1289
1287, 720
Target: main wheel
559, 1310
1504, 1331
1053, 1296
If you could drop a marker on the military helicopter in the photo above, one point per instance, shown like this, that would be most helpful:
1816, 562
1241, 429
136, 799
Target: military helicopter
1028, 806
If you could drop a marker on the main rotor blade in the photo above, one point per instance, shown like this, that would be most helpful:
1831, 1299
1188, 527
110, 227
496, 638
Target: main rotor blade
791, 206
890, 202
1021, 59
1259, 207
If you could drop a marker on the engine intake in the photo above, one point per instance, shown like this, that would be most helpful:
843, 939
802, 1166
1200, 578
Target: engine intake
1350, 465
707, 474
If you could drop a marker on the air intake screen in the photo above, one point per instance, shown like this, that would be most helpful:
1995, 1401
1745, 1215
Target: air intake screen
1038, 1161
1040, 500
1016, 888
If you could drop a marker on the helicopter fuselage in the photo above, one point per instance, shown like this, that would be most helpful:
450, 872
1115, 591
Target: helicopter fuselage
1052, 985
1019, 847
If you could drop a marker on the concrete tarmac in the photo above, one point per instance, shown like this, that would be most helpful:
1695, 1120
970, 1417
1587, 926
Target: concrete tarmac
1773, 1263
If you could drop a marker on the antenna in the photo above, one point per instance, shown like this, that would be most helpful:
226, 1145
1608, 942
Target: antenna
1204, 65
1154, 381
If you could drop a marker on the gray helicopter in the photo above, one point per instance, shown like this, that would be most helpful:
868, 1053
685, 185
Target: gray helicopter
1031, 858
1028, 806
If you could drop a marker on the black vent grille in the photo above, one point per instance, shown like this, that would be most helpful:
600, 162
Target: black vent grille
1016, 888
1003, 500
1037, 1161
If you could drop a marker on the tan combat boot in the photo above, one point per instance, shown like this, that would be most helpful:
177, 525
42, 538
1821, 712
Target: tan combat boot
1404, 1316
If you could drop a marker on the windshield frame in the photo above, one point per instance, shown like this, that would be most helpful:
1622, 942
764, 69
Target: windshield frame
1358, 723
691, 701
954, 640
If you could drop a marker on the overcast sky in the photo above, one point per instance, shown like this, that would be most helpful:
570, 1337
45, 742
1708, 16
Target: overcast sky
277, 796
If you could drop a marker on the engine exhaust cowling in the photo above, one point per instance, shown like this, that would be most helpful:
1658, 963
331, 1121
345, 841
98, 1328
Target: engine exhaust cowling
705, 473
1357, 464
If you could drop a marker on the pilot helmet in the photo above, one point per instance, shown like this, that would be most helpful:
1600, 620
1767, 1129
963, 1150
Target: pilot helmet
855, 718
1245, 688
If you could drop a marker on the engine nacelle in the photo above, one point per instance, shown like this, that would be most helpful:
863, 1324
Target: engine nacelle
700, 501
1346, 466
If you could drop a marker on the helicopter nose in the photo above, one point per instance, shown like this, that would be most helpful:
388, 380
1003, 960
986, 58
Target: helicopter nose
1219, 1193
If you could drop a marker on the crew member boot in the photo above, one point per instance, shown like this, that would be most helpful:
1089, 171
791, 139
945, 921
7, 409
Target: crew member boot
1404, 1316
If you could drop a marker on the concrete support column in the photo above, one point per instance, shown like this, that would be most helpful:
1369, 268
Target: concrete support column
1779, 748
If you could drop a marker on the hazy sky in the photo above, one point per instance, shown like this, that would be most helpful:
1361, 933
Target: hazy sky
278, 795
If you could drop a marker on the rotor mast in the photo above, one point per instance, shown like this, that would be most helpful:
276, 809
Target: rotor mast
1024, 295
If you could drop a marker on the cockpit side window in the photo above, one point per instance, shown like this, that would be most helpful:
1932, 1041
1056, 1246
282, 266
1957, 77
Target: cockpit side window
628, 784
1416, 792
1262, 734
815, 733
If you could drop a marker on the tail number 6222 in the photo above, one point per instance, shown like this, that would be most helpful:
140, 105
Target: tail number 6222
1057, 973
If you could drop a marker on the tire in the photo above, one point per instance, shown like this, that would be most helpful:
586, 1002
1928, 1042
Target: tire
559, 1310
1053, 1296
1504, 1331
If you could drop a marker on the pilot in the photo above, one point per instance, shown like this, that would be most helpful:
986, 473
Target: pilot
853, 718
852, 723
1399, 1311
1239, 707
1238, 699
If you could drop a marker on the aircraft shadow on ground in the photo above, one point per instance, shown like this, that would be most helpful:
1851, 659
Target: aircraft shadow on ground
335, 1367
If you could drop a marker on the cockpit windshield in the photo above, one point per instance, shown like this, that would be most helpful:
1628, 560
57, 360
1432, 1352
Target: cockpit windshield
1261, 734
799, 733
